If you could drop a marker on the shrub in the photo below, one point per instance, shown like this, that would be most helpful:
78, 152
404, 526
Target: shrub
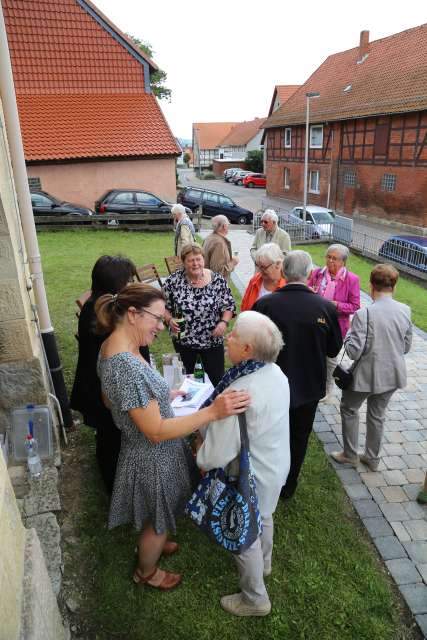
208, 175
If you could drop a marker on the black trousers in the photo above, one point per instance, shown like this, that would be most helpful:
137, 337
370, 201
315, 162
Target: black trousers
300, 426
108, 438
213, 360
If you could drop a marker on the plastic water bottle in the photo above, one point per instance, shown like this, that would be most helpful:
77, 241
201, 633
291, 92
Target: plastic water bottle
33, 458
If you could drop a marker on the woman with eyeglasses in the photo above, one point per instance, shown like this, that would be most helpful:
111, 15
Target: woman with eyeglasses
156, 472
342, 287
269, 277
204, 300
109, 275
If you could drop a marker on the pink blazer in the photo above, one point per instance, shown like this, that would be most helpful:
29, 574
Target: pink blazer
347, 295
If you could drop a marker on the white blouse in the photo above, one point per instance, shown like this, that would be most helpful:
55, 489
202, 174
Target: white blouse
267, 420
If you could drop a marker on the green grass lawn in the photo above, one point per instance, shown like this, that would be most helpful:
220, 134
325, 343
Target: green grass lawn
327, 582
407, 290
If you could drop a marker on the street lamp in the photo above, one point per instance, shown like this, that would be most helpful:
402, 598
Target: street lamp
308, 95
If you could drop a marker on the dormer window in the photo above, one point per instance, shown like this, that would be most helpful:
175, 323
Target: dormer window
347, 88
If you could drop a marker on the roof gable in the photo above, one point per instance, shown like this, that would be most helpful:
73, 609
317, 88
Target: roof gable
283, 92
210, 134
391, 79
242, 133
82, 86
62, 46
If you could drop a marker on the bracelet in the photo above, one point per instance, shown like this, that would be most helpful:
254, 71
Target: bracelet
226, 322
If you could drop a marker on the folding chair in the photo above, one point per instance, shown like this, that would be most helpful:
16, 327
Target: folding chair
81, 300
173, 263
148, 273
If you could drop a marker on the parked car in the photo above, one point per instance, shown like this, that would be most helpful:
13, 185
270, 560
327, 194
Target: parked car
46, 205
238, 176
133, 201
214, 203
410, 251
321, 218
255, 180
228, 172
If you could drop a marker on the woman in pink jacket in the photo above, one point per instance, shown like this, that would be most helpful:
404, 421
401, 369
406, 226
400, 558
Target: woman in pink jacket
342, 287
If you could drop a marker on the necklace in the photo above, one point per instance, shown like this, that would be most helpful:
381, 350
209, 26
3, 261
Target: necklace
198, 280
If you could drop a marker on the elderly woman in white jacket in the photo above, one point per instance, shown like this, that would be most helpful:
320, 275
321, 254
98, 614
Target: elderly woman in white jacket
255, 338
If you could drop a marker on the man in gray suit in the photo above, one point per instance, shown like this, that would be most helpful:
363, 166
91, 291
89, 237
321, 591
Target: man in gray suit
381, 369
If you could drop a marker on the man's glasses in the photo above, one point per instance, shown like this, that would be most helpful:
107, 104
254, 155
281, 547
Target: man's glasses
154, 315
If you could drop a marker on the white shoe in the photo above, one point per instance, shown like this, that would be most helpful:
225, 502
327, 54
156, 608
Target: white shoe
238, 606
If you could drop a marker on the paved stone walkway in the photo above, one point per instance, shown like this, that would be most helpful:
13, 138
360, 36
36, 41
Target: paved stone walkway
385, 500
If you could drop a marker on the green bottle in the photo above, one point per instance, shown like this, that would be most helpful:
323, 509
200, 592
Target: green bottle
180, 320
199, 371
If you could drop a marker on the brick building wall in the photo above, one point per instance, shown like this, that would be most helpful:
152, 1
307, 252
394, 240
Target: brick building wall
372, 166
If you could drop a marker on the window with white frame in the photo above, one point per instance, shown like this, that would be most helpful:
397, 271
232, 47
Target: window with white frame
350, 178
316, 136
388, 182
314, 182
288, 138
287, 177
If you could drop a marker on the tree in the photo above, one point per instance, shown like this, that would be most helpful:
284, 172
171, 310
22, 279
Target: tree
187, 159
157, 78
255, 161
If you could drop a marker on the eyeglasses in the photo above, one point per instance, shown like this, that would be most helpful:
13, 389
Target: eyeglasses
265, 221
264, 267
333, 259
154, 315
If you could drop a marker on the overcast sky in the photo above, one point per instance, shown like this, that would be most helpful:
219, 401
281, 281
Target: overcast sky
223, 58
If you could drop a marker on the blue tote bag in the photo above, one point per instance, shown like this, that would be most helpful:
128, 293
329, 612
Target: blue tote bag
226, 507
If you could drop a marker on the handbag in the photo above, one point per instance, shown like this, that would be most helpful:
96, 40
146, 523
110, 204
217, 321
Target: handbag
344, 377
226, 507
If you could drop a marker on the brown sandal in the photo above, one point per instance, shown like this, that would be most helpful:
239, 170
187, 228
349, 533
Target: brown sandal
169, 581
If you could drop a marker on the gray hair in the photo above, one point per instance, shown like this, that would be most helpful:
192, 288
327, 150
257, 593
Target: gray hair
219, 221
178, 210
270, 214
261, 333
271, 251
297, 266
341, 249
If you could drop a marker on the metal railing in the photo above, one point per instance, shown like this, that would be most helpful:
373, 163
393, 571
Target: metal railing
406, 257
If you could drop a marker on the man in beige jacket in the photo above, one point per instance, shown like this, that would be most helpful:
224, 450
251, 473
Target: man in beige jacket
217, 248
270, 232
184, 229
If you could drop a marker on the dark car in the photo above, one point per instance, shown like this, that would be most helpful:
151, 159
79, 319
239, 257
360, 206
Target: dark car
214, 203
410, 251
132, 201
46, 205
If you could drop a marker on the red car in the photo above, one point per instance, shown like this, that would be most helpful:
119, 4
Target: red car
255, 180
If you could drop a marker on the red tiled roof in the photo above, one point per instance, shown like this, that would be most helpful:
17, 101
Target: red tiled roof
210, 134
58, 127
80, 84
284, 91
391, 79
242, 133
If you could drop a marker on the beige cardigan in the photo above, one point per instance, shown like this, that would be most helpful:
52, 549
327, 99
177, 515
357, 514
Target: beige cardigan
218, 254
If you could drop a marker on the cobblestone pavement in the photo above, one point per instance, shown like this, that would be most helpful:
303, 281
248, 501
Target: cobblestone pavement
385, 500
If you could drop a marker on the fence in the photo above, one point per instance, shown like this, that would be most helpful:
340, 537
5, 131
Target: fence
405, 255
134, 221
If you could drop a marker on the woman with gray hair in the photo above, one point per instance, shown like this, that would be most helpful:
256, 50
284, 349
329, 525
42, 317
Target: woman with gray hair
269, 276
342, 287
217, 248
253, 346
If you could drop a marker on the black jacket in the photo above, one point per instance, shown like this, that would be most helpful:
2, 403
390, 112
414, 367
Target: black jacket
310, 330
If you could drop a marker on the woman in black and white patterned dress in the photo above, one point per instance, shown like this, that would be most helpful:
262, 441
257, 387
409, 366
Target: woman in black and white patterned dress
205, 300
153, 477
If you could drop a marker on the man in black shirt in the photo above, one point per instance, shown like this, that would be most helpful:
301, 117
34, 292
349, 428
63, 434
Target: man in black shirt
310, 330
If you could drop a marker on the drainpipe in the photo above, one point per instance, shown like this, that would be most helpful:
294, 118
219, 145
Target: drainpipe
13, 131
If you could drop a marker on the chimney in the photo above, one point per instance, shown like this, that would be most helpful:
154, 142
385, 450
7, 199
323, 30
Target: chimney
363, 46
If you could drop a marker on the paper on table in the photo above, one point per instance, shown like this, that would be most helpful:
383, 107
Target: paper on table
198, 392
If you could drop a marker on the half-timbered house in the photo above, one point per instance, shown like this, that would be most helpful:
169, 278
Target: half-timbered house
367, 134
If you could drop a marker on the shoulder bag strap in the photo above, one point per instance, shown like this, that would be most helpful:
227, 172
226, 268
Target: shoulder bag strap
244, 439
